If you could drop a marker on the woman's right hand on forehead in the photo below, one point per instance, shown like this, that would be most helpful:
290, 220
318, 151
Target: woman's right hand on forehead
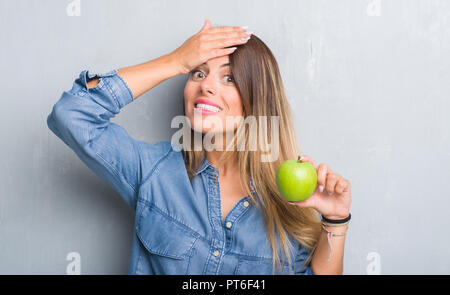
208, 43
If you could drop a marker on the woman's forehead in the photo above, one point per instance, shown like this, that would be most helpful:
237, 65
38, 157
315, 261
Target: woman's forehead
220, 61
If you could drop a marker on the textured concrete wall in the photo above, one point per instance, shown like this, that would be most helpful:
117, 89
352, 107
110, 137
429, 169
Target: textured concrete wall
368, 82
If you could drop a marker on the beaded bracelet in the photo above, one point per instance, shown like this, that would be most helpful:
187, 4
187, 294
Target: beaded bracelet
335, 224
329, 237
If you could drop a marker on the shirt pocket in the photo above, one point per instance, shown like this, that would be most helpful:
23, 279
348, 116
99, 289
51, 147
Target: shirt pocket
261, 266
169, 244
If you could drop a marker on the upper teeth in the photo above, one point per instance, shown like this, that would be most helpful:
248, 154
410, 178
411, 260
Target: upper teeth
208, 107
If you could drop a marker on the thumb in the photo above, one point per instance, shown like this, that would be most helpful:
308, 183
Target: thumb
206, 25
308, 203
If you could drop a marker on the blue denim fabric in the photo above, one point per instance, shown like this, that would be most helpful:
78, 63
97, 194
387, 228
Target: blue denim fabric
178, 226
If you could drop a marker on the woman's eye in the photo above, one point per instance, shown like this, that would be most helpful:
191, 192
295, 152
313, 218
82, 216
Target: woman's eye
197, 74
194, 72
230, 78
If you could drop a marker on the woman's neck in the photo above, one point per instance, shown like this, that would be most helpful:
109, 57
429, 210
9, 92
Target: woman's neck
229, 167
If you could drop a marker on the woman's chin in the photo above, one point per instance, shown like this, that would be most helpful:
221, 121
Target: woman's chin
206, 130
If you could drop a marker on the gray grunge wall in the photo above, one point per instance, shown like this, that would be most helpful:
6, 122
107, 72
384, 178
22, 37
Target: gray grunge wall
368, 81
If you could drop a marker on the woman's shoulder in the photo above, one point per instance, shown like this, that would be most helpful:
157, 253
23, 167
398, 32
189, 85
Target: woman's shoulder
161, 156
154, 154
156, 151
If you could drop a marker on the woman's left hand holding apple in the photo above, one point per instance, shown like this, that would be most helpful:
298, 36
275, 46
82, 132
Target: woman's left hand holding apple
335, 199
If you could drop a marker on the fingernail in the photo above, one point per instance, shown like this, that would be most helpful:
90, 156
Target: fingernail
291, 203
244, 27
249, 32
302, 158
245, 38
329, 193
321, 188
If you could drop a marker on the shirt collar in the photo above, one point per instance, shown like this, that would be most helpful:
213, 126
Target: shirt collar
204, 164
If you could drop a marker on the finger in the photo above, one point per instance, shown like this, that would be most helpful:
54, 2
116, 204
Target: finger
308, 203
225, 29
221, 43
221, 52
226, 35
322, 172
332, 180
340, 186
206, 25
306, 158
348, 187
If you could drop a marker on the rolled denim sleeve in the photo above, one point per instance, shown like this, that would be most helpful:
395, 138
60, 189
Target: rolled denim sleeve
300, 267
81, 119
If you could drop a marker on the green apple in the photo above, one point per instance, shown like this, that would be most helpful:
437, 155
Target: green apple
296, 180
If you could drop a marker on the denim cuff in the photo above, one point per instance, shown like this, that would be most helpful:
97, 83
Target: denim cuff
116, 86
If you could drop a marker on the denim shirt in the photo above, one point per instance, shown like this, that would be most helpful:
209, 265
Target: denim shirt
178, 226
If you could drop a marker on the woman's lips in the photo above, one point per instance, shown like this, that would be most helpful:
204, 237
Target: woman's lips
206, 101
204, 111
206, 107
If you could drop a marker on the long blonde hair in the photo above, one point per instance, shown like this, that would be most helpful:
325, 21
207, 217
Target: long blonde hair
258, 80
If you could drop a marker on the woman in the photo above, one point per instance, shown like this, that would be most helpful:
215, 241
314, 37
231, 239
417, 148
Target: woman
208, 211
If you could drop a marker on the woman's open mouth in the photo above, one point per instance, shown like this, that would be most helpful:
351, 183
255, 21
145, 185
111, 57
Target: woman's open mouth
206, 109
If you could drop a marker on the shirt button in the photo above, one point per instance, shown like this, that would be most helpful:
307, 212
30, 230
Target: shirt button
216, 253
246, 204
228, 224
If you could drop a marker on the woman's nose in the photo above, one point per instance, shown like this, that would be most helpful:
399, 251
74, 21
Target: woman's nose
208, 85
